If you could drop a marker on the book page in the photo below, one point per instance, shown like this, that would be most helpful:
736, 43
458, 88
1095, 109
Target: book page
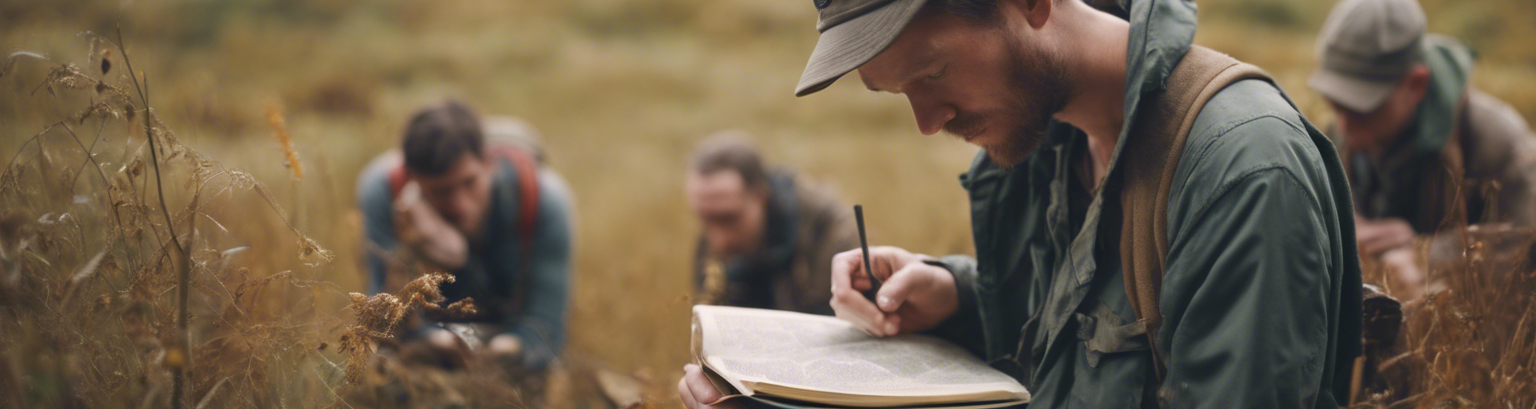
820, 353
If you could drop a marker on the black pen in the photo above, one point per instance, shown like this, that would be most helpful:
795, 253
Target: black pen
874, 283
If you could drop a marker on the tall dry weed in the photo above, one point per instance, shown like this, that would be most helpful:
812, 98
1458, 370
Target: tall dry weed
378, 316
123, 283
1471, 341
123, 291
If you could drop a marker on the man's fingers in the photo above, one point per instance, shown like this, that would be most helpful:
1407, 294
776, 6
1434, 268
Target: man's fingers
848, 271
892, 324
1377, 243
701, 390
894, 292
1370, 240
685, 394
1371, 249
849, 281
1367, 246
851, 306
1369, 232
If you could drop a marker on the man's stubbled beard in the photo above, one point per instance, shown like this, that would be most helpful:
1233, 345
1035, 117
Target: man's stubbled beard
1037, 88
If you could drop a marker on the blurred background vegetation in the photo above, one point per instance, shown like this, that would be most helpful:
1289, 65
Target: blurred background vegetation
620, 91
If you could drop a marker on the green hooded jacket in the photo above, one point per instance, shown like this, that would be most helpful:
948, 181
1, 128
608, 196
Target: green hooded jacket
1261, 290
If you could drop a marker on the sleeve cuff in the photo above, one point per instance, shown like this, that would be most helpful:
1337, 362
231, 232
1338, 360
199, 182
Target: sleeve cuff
964, 328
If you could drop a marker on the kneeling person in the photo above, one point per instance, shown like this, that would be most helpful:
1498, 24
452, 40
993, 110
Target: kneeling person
1427, 153
490, 214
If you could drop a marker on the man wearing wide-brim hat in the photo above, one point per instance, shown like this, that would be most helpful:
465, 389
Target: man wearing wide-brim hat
1155, 223
1425, 151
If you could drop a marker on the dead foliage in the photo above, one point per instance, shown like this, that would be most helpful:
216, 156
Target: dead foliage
116, 286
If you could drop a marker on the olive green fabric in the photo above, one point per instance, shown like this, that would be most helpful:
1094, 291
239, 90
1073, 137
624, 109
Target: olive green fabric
1261, 290
1462, 145
1160, 133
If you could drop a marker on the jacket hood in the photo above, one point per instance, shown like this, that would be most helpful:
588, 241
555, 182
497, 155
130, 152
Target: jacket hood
1162, 31
1450, 69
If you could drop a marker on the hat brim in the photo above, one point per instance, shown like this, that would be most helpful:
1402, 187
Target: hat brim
846, 46
1353, 93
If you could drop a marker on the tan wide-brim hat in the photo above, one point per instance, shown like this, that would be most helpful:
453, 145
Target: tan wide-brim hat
852, 33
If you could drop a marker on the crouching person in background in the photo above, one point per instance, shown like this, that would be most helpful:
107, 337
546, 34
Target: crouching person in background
461, 197
768, 237
1426, 152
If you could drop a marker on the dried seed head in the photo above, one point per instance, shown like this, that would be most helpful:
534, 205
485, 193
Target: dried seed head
106, 61
279, 127
102, 302
175, 357
311, 254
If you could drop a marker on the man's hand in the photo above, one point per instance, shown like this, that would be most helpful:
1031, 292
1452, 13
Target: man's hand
1406, 276
422, 230
1376, 236
507, 345
449, 348
697, 392
914, 296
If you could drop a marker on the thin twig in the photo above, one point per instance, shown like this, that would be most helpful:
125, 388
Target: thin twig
178, 373
89, 154
23, 148
92, 161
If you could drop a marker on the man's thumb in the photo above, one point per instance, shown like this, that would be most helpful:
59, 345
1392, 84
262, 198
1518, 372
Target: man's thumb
895, 290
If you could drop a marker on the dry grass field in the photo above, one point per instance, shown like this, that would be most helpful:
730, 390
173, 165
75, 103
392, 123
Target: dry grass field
90, 283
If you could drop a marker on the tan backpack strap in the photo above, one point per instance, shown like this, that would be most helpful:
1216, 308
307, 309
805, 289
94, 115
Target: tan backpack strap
1153, 148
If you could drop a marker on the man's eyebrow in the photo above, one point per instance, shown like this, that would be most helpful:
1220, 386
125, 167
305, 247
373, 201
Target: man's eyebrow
916, 69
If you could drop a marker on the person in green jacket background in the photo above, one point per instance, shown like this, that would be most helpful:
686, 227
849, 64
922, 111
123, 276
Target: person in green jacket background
1425, 151
768, 235
1260, 294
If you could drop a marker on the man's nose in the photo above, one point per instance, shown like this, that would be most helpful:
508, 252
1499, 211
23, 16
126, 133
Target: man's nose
720, 238
463, 204
1351, 125
930, 114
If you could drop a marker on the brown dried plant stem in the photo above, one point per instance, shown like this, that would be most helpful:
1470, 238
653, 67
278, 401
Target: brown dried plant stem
177, 357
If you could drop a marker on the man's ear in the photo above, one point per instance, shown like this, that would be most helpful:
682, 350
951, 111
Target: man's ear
1035, 12
758, 193
1416, 83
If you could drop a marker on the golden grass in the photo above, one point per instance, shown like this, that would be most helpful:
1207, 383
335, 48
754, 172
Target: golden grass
99, 273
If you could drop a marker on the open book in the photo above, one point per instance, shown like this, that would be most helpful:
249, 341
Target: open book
795, 360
